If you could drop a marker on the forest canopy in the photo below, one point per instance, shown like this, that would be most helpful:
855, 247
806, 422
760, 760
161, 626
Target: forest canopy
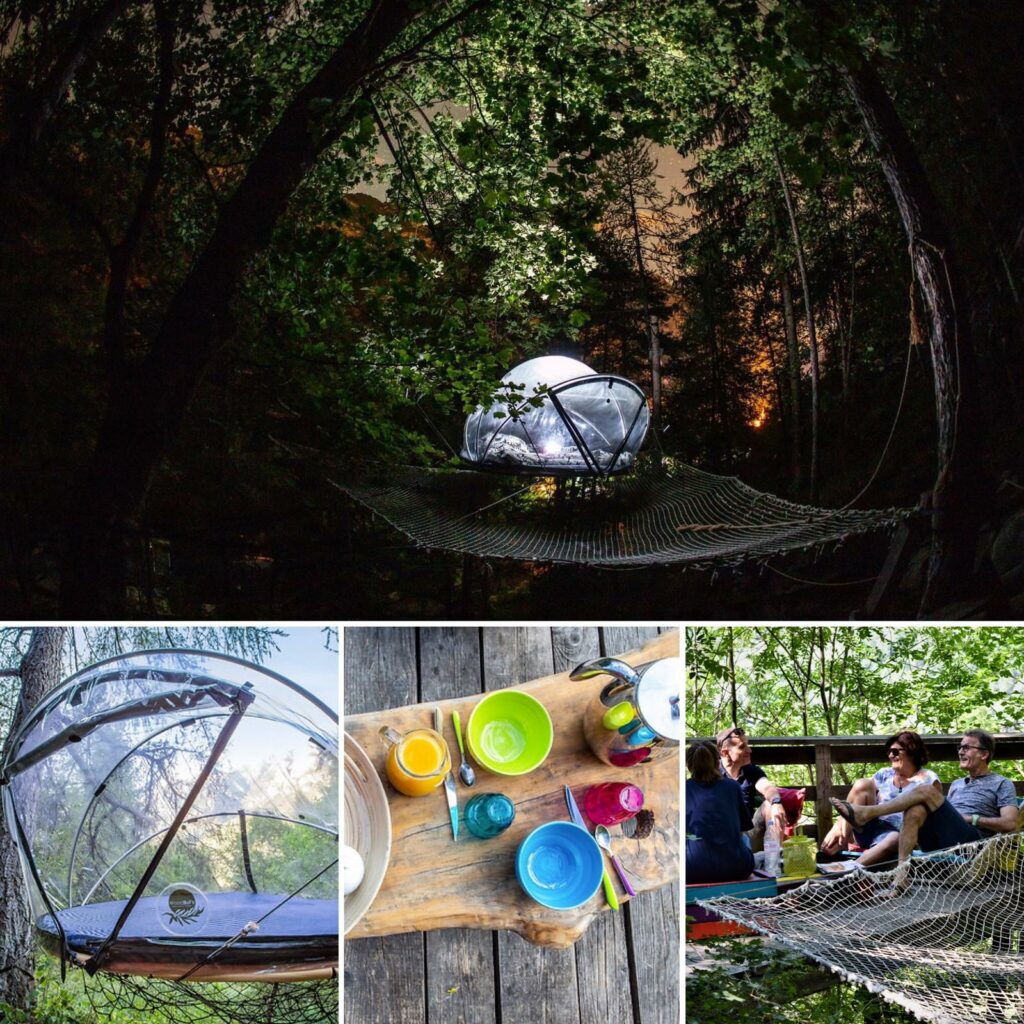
855, 681
245, 244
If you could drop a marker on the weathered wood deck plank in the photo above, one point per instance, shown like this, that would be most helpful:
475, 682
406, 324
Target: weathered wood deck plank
602, 959
536, 984
382, 671
460, 961
654, 927
653, 917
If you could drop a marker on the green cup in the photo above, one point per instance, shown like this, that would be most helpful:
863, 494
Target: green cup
509, 733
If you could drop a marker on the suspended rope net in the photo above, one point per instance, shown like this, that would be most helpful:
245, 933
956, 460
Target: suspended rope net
940, 935
307, 1002
667, 513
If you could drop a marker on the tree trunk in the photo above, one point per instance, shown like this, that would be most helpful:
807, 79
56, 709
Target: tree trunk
654, 342
961, 487
793, 360
732, 677
40, 107
812, 338
40, 672
147, 402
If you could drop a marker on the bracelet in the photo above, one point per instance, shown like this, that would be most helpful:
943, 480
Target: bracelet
974, 819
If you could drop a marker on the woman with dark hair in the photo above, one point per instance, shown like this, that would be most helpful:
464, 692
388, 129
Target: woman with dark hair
879, 838
716, 817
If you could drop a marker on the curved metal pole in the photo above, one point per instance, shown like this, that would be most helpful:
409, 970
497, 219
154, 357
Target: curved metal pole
103, 785
574, 432
625, 437
55, 698
99, 958
201, 817
221, 692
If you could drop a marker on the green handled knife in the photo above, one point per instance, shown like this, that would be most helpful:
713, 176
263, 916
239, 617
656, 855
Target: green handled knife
606, 881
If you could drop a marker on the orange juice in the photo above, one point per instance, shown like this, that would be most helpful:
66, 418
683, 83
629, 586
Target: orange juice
418, 763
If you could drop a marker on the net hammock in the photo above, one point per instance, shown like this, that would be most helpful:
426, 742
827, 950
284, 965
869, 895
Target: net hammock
659, 515
306, 1002
940, 935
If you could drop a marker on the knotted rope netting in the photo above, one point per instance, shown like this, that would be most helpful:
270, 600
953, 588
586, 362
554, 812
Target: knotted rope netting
301, 1002
939, 935
661, 514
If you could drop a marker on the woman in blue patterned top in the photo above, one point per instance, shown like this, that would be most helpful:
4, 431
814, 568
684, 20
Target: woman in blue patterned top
879, 838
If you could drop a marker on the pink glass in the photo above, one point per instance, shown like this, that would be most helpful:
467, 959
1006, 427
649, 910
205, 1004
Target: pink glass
610, 803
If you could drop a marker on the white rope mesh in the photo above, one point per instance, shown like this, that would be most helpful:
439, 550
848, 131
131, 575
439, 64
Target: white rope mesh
656, 516
939, 935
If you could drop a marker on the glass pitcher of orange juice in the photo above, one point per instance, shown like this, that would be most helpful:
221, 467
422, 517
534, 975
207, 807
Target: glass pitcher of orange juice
417, 762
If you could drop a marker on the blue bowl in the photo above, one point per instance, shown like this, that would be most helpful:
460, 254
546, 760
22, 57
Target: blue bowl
559, 865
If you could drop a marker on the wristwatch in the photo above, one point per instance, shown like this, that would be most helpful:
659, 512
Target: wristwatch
974, 819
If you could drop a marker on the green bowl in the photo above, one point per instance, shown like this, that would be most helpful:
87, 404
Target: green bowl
509, 733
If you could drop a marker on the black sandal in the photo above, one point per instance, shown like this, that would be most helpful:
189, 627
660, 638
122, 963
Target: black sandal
845, 810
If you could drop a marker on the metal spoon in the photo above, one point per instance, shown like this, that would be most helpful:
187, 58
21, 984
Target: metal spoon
466, 772
604, 840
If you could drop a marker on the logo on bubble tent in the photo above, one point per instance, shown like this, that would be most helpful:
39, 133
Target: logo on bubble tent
182, 908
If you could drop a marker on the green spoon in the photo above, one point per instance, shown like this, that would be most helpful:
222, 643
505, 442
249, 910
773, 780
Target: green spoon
466, 772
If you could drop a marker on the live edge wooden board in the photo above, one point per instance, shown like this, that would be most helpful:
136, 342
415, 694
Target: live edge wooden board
433, 882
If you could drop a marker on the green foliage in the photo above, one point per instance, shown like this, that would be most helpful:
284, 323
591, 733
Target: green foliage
88, 644
64, 1002
814, 681
746, 982
467, 212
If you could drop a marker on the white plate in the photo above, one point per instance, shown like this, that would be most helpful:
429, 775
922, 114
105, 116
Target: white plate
367, 828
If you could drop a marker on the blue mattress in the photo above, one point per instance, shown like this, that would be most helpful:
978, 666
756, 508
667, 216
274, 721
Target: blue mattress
299, 920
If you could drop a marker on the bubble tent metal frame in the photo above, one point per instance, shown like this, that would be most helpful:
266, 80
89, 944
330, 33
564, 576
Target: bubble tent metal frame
105, 936
590, 463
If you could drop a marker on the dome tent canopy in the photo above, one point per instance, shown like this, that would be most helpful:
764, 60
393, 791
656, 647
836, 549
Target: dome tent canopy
175, 814
558, 417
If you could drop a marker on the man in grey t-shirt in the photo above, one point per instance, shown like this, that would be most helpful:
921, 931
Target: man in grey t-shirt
976, 807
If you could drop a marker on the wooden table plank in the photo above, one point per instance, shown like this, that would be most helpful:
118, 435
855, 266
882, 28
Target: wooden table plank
460, 961
482, 874
381, 672
602, 955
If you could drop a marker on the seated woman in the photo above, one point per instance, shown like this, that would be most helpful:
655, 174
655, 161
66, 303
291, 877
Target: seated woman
716, 817
879, 838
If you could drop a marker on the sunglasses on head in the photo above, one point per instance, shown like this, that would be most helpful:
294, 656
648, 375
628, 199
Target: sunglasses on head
739, 733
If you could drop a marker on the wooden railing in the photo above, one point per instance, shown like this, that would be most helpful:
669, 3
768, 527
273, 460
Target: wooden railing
825, 751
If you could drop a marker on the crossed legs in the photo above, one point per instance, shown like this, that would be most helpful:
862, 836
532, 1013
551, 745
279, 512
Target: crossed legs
863, 792
916, 805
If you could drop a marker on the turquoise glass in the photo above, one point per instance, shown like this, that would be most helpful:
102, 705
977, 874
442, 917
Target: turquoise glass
489, 814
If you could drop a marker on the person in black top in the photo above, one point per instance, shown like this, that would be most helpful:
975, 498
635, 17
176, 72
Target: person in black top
734, 752
716, 818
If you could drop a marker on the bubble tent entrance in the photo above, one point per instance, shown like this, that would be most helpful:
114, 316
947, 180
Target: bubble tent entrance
176, 817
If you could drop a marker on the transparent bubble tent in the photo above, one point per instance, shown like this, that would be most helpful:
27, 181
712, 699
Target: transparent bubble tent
558, 418
176, 817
